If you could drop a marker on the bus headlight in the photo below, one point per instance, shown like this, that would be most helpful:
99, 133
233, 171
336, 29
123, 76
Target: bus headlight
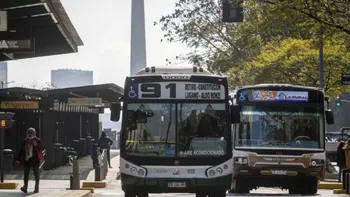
224, 169
317, 162
219, 170
241, 160
133, 170
141, 172
211, 173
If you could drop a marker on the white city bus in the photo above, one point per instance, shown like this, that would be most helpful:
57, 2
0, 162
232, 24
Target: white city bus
176, 133
279, 137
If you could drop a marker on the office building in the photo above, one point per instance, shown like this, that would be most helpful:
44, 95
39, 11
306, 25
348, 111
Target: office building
3, 74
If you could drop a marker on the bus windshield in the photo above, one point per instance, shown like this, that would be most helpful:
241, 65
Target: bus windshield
196, 130
202, 129
289, 127
151, 129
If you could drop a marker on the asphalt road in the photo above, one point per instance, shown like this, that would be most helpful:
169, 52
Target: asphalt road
114, 189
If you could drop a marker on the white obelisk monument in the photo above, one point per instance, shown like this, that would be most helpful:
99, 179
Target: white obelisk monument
138, 37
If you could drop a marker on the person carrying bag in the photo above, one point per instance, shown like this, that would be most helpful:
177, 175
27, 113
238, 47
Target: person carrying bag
31, 154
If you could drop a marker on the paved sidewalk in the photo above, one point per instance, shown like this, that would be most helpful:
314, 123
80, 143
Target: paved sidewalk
62, 172
57, 188
49, 188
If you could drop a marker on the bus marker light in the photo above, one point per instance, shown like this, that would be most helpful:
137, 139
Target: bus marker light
133, 170
219, 170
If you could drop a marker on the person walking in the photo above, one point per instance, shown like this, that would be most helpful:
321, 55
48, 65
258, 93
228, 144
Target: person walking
105, 143
31, 154
341, 161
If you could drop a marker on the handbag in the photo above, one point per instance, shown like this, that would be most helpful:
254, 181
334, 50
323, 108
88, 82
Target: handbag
39, 153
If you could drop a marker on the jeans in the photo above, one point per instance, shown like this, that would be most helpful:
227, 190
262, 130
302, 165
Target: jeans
340, 174
27, 168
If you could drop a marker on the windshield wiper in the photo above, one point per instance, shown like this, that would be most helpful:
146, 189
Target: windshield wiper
169, 124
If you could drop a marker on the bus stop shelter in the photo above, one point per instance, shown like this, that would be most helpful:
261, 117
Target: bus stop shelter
55, 119
35, 28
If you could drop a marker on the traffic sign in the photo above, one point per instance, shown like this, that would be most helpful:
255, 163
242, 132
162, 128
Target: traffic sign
345, 78
232, 11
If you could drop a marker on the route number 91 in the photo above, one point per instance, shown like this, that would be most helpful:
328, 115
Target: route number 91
154, 90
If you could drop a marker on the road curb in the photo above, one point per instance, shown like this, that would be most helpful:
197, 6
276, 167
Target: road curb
9, 185
91, 189
330, 185
95, 184
338, 191
70, 193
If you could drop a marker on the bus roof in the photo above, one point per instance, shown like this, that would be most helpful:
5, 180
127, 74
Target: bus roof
267, 85
171, 70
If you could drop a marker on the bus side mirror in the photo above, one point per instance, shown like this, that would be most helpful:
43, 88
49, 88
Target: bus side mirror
329, 116
115, 111
235, 114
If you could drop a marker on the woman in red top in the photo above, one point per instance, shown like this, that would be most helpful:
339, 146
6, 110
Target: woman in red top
31, 154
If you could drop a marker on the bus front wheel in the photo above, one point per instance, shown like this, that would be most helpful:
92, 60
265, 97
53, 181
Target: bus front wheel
211, 194
132, 194
239, 186
218, 194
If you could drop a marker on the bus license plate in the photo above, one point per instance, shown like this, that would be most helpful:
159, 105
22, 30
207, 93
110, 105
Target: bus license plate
177, 184
279, 172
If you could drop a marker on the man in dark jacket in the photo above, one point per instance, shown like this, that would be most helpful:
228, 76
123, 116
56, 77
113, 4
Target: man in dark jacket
105, 143
208, 125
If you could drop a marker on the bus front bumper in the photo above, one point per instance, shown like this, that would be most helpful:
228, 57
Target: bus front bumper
161, 185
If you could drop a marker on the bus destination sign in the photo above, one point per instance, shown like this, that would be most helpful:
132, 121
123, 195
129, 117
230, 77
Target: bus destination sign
272, 95
177, 90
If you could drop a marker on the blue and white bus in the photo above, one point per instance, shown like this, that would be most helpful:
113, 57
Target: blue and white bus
176, 133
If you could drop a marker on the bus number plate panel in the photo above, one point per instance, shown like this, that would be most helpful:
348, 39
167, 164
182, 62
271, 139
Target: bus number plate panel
177, 184
279, 172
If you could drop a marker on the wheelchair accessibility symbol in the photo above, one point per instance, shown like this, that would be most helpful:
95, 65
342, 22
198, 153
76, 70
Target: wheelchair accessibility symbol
241, 97
132, 93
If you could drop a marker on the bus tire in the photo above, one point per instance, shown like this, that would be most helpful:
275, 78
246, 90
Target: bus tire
144, 194
299, 188
129, 194
201, 194
240, 186
218, 194
311, 186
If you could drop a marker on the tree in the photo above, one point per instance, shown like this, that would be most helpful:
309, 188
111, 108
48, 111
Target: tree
197, 23
334, 13
220, 46
233, 49
295, 61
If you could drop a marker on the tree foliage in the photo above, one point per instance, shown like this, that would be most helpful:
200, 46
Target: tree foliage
266, 47
334, 13
295, 61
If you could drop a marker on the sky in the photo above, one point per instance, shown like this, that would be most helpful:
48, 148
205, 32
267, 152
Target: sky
104, 28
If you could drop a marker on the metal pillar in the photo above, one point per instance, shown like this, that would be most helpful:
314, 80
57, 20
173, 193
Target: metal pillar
2, 135
75, 176
138, 37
